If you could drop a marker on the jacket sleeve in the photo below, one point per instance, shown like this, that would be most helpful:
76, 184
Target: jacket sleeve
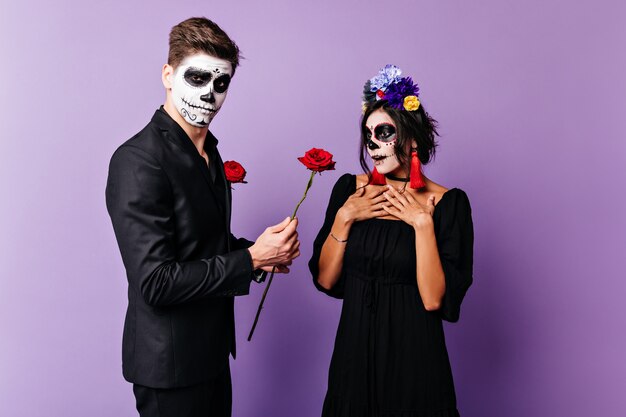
343, 188
455, 242
239, 243
140, 203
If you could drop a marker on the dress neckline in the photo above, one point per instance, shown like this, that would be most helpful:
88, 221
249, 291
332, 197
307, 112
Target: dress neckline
390, 220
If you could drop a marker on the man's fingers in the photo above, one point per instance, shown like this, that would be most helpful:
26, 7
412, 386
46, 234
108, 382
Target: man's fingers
295, 248
282, 269
291, 245
289, 234
291, 227
290, 240
290, 250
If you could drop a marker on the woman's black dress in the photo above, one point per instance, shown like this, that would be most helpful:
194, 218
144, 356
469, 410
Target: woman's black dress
390, 357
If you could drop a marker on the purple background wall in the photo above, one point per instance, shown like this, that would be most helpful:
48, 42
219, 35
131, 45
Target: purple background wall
530, 98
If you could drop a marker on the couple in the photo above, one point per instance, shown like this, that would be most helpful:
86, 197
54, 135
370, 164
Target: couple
395, 246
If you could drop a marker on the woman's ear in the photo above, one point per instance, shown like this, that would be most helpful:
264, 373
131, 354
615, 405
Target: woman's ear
413, 144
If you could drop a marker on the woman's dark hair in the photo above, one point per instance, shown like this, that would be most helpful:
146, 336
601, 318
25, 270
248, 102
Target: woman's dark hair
410, 125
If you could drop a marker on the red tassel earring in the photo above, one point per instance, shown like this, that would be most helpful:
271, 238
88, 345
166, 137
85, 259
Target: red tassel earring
377, 178
416, 174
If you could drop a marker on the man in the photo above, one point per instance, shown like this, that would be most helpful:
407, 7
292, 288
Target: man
170, 207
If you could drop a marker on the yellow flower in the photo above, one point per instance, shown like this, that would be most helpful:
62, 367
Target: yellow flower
363, 108
411, 103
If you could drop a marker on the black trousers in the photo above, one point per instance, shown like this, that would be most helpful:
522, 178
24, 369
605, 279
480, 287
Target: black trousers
209, 399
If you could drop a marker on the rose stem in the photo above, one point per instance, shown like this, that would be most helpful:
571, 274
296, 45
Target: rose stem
269, 282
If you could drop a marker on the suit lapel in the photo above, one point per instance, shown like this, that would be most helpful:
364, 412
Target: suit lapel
221, 176
204, 168
179, 136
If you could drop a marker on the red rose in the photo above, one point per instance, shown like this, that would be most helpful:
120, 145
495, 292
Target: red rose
380, 94
234, 172
318, 160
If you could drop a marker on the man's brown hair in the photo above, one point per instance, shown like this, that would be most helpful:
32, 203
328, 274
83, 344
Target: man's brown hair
199, 34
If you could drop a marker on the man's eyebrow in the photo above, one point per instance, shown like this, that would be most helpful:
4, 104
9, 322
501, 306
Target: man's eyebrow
197, 69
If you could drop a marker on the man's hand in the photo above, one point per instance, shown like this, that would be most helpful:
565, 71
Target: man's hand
277, 246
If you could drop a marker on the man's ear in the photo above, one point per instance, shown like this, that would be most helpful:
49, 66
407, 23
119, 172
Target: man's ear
167, 75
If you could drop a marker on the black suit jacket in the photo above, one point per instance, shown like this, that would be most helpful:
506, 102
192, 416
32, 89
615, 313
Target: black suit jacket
171, 217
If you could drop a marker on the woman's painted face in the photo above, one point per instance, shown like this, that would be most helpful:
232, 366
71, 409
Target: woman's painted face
380, 135
199, 88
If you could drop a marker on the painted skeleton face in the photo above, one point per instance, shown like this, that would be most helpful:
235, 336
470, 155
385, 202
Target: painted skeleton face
199, 87
381, 142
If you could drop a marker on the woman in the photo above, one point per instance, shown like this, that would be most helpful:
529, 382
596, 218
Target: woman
397, 247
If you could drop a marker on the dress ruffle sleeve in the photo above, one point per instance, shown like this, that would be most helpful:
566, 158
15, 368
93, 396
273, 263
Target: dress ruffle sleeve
343, 188
455, 242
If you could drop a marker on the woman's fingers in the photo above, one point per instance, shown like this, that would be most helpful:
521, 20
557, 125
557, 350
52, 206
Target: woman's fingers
410, 199
377, 209
381, 198
367, 192
400, 197
376, 206
394, 201
358, 193
392, 211
375, 192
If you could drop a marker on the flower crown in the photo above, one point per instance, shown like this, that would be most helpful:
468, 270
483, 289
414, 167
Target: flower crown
400, 92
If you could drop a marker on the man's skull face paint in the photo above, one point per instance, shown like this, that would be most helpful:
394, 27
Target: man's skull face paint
380, 136
199, 88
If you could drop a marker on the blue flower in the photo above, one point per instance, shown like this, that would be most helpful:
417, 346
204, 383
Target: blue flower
386, 77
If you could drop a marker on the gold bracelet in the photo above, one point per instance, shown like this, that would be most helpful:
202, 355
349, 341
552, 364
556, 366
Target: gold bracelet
338, 240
